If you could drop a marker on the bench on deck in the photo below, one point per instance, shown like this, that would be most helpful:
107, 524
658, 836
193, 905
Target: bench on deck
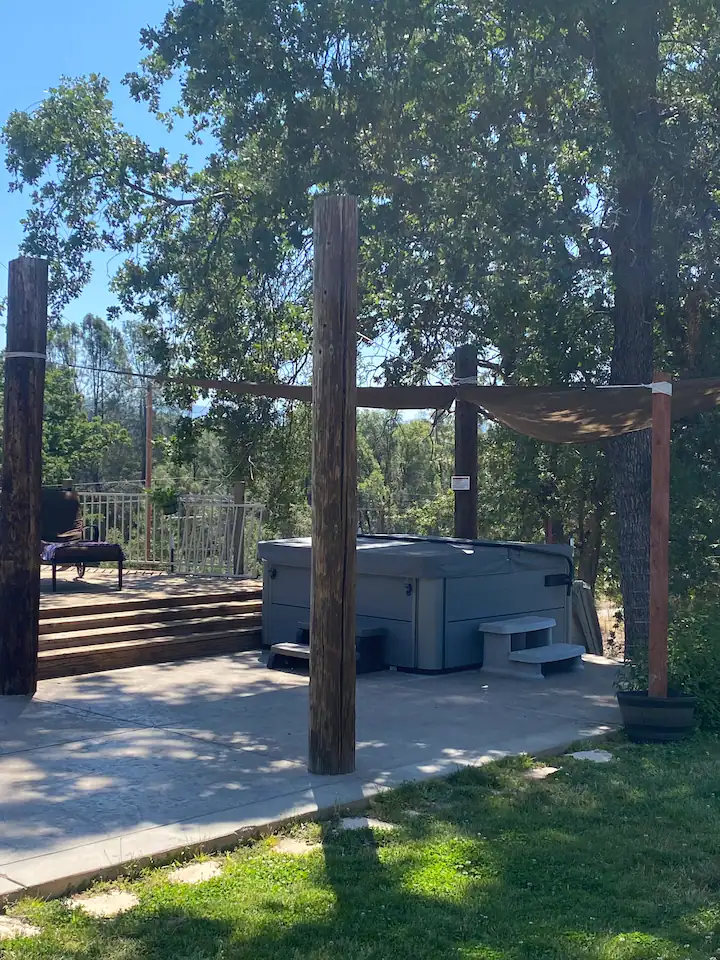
62, 534
81, 554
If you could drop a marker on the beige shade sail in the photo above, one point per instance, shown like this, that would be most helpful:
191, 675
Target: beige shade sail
554, 414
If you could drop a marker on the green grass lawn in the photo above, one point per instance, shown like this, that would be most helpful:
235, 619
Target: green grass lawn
619, 860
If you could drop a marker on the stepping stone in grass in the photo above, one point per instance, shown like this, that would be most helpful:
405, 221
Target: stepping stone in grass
540, 773
294, 846
365, 823
195, 872
11, 927
594, 756
110, 904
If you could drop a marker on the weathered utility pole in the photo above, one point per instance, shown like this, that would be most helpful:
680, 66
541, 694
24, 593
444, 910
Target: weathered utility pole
334, 487
20, 498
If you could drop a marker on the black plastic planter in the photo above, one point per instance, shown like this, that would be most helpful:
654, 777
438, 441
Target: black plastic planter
656, 719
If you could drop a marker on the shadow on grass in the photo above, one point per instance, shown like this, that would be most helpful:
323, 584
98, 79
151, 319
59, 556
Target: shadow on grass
613, 861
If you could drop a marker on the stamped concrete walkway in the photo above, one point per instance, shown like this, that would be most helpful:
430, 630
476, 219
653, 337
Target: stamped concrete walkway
108, 769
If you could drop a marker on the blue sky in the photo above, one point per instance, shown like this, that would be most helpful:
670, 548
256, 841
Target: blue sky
73, 38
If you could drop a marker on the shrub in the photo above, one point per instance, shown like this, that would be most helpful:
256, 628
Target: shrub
165, 498
693, 655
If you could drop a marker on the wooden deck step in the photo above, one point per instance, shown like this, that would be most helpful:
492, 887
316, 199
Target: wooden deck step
250, 590
148, 631
99, 633
72, 661
99, 622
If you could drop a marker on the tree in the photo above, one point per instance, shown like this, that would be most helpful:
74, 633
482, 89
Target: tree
537, 178
651, 68
99, 355
404, 470
73, 444
103, 351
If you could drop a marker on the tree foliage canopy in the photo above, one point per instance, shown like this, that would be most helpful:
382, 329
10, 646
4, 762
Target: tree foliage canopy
537, 178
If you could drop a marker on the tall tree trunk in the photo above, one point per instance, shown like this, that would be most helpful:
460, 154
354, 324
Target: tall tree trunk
589, 553
625, 39
632, 362
554, 529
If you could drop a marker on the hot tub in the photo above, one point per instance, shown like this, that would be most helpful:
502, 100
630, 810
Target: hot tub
430, 595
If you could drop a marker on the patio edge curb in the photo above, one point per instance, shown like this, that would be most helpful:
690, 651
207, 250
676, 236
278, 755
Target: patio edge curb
11, 891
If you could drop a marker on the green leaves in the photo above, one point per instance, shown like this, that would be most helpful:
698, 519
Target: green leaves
73, 444
90, 181
536, 178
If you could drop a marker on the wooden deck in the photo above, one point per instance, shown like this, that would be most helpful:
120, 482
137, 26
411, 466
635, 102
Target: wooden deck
90, 626
101, 585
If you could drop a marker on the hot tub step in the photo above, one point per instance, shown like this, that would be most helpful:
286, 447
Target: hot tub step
534, 662
280, 652
369, 651
550, 654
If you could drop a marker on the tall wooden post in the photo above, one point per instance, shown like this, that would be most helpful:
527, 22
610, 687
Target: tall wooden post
22, 475
148, 469
334, 487
659, 534
239, 489
466, 446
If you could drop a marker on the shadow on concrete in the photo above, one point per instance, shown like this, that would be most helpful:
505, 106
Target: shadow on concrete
490, 866
110, 754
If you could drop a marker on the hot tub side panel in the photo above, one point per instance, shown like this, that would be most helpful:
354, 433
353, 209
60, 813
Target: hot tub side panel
469, 601
387, 602
431, 622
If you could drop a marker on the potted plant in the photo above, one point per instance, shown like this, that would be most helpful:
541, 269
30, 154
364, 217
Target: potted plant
166, 499
653, 719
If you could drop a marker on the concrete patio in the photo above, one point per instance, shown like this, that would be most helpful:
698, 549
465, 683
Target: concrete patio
109, 769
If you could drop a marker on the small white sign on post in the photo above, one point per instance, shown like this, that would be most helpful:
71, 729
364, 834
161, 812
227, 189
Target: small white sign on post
459, 483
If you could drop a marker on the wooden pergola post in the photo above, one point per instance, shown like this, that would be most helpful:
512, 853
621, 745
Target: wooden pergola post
659, 535
466, 447
22, 475
148, 469
239, 490
334, 487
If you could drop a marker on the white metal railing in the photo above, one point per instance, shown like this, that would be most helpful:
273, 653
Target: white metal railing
208, 534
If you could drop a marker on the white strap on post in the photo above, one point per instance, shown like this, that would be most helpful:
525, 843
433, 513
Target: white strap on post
661, 386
